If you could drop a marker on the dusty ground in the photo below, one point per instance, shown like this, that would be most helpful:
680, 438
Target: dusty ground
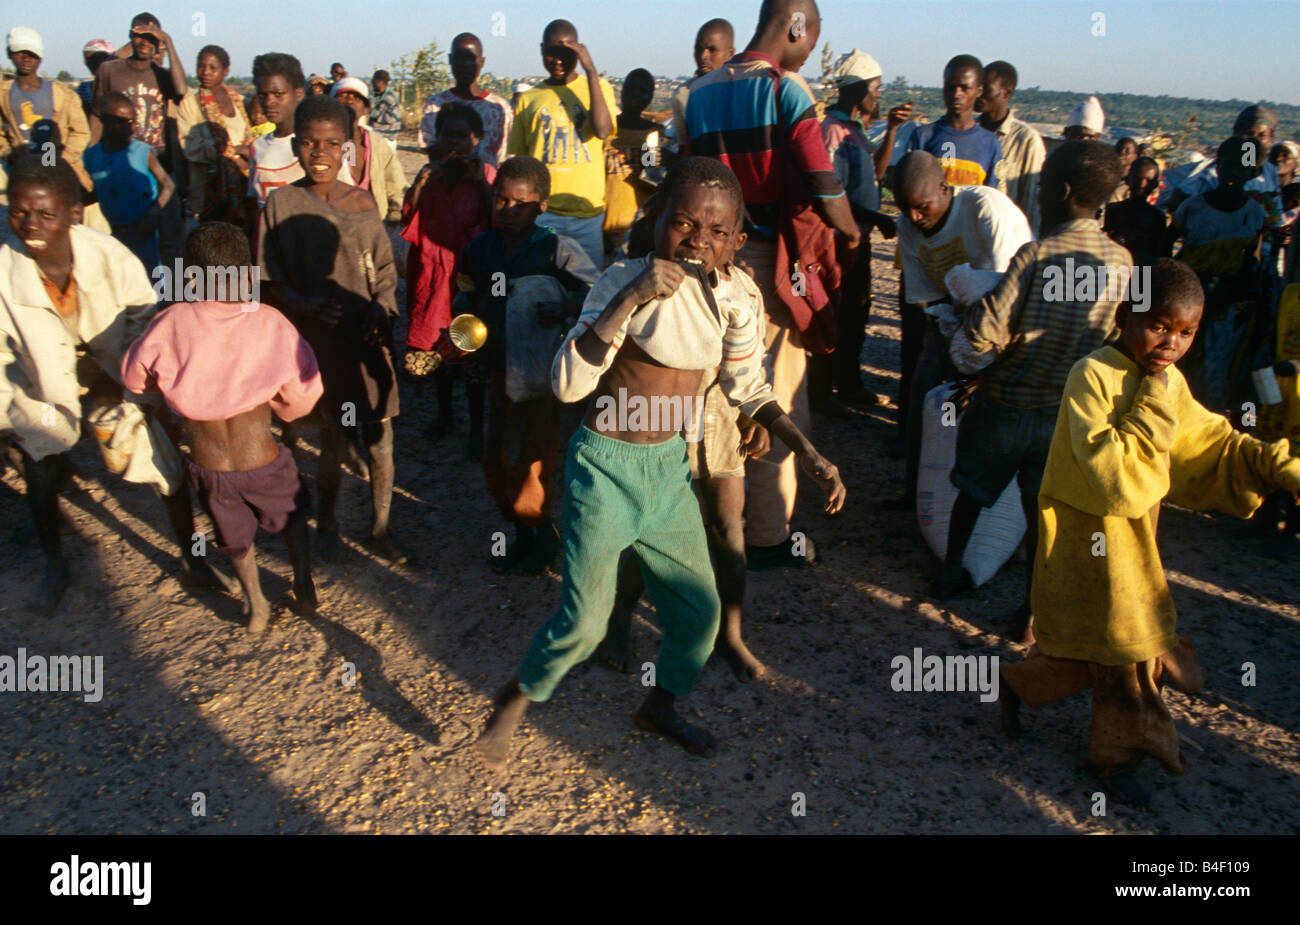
275, 742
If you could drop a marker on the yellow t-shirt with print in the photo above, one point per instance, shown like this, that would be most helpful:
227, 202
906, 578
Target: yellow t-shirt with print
553, 124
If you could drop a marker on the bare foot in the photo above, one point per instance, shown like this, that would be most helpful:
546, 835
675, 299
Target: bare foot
259, 616
305, 599
384, 547
516, 552
198, 572
615, 650
743, 663
493, 746
542, 552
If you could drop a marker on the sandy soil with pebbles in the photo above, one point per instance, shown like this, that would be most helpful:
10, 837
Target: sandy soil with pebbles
266, 730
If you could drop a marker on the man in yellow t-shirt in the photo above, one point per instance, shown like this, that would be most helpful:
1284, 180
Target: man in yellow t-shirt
564, 122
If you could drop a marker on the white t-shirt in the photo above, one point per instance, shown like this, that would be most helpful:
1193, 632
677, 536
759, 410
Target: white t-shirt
274, 164
984, 228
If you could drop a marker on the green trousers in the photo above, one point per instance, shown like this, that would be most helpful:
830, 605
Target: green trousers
620, 494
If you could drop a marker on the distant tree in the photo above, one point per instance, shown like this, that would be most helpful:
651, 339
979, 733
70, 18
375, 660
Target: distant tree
420, 74
503, 87
64, 76
828, 77
898, 84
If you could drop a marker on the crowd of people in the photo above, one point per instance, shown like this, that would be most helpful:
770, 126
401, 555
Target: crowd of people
674, 297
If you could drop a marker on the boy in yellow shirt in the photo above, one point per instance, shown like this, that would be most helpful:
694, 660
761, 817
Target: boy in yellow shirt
563, 122
1129, 434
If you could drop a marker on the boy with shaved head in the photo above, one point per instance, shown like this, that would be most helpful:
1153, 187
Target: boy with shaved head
969, 155
327, 264
72, 301
564, 122
466, 61
942, 227
243, 478
1023, 150
715, 45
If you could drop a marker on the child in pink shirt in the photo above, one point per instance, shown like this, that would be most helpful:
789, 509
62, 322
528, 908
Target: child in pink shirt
224, 366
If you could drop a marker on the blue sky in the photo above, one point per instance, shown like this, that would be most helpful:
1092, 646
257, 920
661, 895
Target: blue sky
1205, 48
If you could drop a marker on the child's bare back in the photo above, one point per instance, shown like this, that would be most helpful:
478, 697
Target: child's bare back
236, 444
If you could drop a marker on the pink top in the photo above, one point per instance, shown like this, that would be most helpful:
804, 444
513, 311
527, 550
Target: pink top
213, 360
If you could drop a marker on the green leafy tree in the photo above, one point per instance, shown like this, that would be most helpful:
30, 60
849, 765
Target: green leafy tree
503, 87
419, 74
64, 76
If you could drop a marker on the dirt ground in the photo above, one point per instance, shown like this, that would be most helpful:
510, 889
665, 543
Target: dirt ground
273, 739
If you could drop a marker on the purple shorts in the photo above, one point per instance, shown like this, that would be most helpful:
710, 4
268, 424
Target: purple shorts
240, 502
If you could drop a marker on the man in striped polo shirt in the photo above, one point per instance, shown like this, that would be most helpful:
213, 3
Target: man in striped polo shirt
732, 115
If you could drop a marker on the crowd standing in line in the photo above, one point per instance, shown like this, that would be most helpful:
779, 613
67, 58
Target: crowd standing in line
703, 284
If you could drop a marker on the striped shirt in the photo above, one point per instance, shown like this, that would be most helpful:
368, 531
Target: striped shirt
681, 332
1023, 153
1046, 315
386, 114
731, 114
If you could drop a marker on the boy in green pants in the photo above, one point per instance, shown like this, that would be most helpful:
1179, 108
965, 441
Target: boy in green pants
649, 329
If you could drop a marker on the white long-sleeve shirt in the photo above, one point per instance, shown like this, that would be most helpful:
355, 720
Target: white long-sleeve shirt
681, 332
